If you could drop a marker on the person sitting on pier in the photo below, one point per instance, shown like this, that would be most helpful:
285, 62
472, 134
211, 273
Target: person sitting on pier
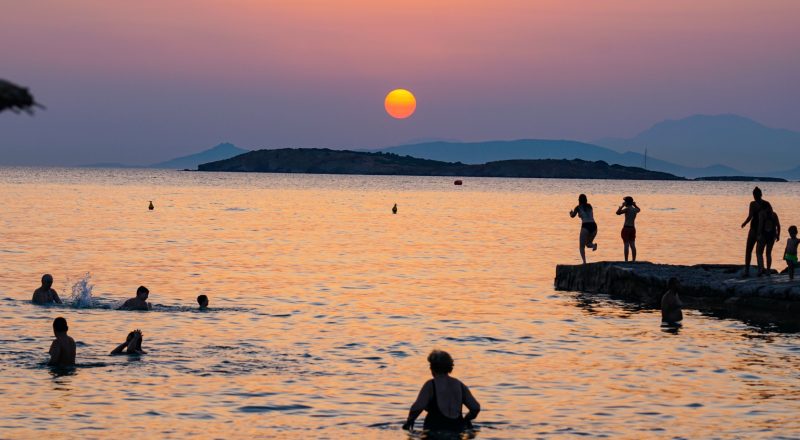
62, 350
202, 301
756, 206
442, 397
769, 234
630, 210
133, 344
138, 303
46, 294
790, 254
588, 226
671, 314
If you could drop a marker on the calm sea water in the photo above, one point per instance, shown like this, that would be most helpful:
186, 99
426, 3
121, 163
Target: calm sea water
324, 306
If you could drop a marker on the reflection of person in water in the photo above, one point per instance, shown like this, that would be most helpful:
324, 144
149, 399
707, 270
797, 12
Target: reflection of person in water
62, 350
132, 344
588, 226
46, 294
671, 314
442, 397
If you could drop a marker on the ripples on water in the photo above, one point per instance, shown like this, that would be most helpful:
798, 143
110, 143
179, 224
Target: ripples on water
324, 306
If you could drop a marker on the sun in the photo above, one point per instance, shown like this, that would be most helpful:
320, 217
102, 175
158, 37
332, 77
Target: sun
400, 103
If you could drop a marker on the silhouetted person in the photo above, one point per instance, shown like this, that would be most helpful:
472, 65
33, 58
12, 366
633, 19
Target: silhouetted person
394, 209
769, 233
629, 209
588, 226
442, 397
202, 300
132, 344
138, 303
46, 294
752, 236
151, 207
62, 350
671, 313
790, 254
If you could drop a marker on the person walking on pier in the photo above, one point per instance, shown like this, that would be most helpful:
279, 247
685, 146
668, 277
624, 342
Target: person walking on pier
753, 215
588, 226
629, 209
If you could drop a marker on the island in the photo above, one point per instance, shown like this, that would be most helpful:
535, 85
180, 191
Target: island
716, 289
327, 161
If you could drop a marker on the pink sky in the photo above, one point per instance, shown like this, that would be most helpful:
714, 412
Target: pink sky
147, 80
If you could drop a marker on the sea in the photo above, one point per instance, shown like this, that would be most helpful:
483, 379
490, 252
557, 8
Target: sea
324, 306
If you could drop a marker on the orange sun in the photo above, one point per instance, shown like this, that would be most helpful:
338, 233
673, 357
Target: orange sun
400, 103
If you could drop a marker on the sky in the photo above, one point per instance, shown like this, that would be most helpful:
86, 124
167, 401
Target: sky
144, 81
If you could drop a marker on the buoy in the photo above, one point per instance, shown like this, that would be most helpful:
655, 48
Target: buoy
151, 207
394, 209
458, 182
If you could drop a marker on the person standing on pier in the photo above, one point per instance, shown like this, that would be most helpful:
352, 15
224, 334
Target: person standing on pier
588, 226
790, 254
629, 209
752, 236
769, 233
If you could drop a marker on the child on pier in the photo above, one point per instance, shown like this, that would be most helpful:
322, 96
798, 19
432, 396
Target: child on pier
790, 254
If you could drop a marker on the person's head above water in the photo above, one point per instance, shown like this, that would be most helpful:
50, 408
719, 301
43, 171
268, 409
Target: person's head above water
582, 200
60, 325
202, 300
130, 337
441, 362
47, 281
672, 284
793, 231
628, 200
142, 292
757, 193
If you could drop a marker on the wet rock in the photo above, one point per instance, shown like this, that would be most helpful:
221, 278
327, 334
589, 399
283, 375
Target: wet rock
712, 288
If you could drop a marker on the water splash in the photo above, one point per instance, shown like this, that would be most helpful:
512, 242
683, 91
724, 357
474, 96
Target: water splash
81, 296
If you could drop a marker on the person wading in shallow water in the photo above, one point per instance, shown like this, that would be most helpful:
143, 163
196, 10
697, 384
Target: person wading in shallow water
62, 350
442, 397
138, 303
629, 209
588, 226
132, 344
671, 313
46, 294
752, 236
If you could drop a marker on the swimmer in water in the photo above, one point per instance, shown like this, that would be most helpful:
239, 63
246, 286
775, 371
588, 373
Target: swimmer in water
46, 294
138, 303
62, 350
394, 209
132, 344
671, 314
202, 300
442, 397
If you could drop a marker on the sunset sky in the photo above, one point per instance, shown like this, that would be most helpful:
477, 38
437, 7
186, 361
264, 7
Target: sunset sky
144, 81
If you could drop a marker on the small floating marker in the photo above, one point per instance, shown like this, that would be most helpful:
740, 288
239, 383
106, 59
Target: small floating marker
458, 182
394, 209
151, 207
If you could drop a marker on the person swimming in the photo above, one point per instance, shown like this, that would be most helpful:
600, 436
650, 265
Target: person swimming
138, 303
62, 350
202, 300
151, 207
442, 398
588, 226
132, 344
394, 209
46, 294
671, 314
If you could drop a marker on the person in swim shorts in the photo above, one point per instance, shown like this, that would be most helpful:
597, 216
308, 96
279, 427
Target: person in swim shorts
629, 209
790, 254
588, 226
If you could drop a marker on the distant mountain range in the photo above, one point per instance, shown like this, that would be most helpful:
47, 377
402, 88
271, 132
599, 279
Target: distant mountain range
222, 151
327, 161
704, 140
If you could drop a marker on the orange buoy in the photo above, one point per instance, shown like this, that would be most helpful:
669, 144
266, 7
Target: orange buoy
458, 182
